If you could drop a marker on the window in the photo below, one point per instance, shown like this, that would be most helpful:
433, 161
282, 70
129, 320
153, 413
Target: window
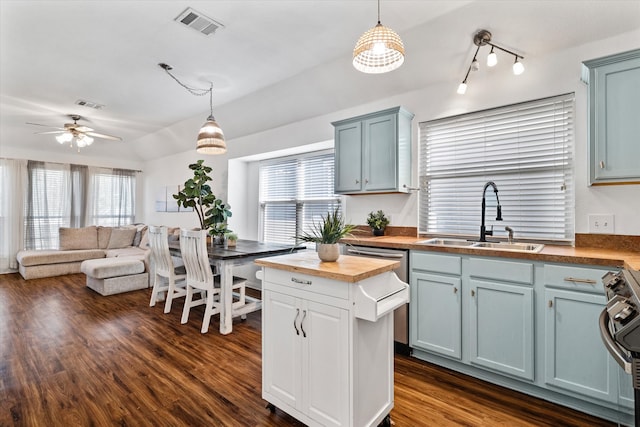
526, 149
294, 192
58, 196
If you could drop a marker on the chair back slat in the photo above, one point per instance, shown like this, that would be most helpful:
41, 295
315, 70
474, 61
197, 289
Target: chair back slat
193, 247
159, 244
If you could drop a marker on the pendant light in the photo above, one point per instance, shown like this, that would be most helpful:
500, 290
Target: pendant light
210, 138
379, 50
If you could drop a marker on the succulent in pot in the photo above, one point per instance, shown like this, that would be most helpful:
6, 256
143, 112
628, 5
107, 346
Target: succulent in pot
326, 234
378, 222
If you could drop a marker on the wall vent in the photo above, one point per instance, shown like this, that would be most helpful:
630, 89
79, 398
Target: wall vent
90, 104
197, 21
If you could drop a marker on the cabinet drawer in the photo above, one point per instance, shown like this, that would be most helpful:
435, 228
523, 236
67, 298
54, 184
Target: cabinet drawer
437, 263
306, 282
508, 271
575, 278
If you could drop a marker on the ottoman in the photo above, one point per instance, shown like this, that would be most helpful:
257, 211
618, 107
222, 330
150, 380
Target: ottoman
109, 276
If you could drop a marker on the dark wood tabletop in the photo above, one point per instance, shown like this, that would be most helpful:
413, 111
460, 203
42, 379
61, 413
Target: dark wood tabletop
243, 249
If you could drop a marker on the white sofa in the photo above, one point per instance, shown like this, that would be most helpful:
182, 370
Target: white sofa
80, 244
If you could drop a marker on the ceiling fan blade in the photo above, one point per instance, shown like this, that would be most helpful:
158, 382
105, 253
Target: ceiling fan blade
84, 129
47, 126
51, 132
103, 136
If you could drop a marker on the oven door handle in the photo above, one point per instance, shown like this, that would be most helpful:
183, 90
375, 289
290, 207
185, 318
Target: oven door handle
614, 349
372, 253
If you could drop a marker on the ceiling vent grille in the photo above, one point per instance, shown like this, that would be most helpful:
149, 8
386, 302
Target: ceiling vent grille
197, 21
90, 104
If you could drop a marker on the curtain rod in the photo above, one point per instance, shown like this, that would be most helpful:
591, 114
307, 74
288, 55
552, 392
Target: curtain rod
60, 163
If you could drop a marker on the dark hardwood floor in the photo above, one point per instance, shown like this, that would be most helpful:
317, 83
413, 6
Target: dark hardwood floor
71, 357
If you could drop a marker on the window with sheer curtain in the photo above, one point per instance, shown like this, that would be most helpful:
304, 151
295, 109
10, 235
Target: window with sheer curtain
295, 192
62, 195
526, 149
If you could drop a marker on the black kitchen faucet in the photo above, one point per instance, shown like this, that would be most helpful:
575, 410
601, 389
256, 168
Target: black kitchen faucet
483, 230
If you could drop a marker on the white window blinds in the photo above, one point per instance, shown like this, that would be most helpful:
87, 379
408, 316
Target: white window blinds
295, 192
526, 149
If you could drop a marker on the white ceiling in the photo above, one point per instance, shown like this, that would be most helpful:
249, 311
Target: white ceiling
274, 62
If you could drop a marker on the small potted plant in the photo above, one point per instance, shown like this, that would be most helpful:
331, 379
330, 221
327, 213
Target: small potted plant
230, 239
378, 222
326, 235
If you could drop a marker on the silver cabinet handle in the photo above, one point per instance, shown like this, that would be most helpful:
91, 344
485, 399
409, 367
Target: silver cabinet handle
366, 181
300, 281
473, 293
550, 303
304, 315
294, 321
576, 280
455, 290
601, 164
357, 181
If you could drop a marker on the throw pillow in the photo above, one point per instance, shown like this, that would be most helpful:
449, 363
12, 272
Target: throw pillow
78, 238
121, 237
140, 230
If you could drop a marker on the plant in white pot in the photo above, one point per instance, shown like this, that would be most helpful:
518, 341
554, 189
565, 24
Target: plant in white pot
326, 234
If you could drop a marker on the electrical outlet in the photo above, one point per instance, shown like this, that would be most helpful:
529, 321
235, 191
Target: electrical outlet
602, 224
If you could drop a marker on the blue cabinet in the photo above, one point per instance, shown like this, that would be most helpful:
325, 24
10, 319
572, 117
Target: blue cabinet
614, 108
373, 152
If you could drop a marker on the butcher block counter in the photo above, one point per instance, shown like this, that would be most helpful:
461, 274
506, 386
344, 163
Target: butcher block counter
626, 256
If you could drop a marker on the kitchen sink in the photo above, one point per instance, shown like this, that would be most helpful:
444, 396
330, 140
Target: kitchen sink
501, 246
504, 246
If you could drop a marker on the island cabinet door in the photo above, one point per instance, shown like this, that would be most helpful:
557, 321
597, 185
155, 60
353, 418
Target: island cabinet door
436, 314
281, 358
501, 328
575, 358
325, 363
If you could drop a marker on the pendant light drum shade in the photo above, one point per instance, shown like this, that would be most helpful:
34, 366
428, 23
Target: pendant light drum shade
211, 138
379, 50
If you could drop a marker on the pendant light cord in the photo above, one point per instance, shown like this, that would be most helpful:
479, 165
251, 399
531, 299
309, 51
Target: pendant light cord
378, 11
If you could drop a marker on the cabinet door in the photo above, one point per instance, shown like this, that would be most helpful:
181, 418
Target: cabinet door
325, 366
501, 327
281, 364
348, 157
436, 314
575, 358
614, 103
625, 389
380, 152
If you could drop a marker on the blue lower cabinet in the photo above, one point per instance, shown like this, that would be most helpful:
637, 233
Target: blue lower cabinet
436, 314
501, 328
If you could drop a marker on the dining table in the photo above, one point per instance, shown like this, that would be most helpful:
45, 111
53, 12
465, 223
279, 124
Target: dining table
224, 259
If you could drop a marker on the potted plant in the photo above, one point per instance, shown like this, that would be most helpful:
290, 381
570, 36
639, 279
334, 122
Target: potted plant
197, 194
326, 235
230, 239
378, 222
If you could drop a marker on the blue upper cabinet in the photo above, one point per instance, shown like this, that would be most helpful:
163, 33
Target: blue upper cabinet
614, 112
373, 152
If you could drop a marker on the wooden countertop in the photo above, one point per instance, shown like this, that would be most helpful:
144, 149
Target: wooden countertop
347, 268
550, 253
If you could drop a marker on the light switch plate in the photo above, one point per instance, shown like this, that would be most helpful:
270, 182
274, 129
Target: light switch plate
601, 223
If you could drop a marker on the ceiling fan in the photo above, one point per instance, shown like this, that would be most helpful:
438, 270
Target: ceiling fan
82, 135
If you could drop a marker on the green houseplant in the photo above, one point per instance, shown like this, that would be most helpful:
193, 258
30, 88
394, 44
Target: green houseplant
197, 194
230, 239
326, 234
378, 221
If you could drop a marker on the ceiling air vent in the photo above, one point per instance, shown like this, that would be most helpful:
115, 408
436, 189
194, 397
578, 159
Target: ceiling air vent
89, 104
197, 21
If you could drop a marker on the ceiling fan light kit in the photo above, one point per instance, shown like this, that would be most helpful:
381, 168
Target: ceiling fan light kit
482, 38
378, 50
210, 138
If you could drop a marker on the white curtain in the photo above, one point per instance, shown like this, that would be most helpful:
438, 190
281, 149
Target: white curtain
13, 178
111, 197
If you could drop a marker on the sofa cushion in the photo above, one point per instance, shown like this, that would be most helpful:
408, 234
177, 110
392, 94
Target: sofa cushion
40, 257
104, 234
112, 267
121, 237
78, 238
128, 251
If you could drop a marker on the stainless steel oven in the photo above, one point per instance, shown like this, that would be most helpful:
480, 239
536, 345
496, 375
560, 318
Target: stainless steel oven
401, 314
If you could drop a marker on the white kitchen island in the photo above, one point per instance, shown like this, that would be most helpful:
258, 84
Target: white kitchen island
327, 337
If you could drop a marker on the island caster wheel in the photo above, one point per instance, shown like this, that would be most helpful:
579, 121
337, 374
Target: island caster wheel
386, 422
271, 407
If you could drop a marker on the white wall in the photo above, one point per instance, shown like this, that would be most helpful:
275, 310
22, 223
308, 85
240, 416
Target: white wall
544, 76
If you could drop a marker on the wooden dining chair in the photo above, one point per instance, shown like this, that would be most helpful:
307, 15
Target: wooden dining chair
166, 278
193, 247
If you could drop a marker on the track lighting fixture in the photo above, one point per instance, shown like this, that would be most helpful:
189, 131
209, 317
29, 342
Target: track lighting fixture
482, 38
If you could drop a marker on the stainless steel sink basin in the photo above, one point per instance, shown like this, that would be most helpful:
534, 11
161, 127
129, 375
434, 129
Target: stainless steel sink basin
500, 246
456, 243
504, 246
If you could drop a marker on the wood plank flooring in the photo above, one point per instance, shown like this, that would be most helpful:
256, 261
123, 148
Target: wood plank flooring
71, 357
